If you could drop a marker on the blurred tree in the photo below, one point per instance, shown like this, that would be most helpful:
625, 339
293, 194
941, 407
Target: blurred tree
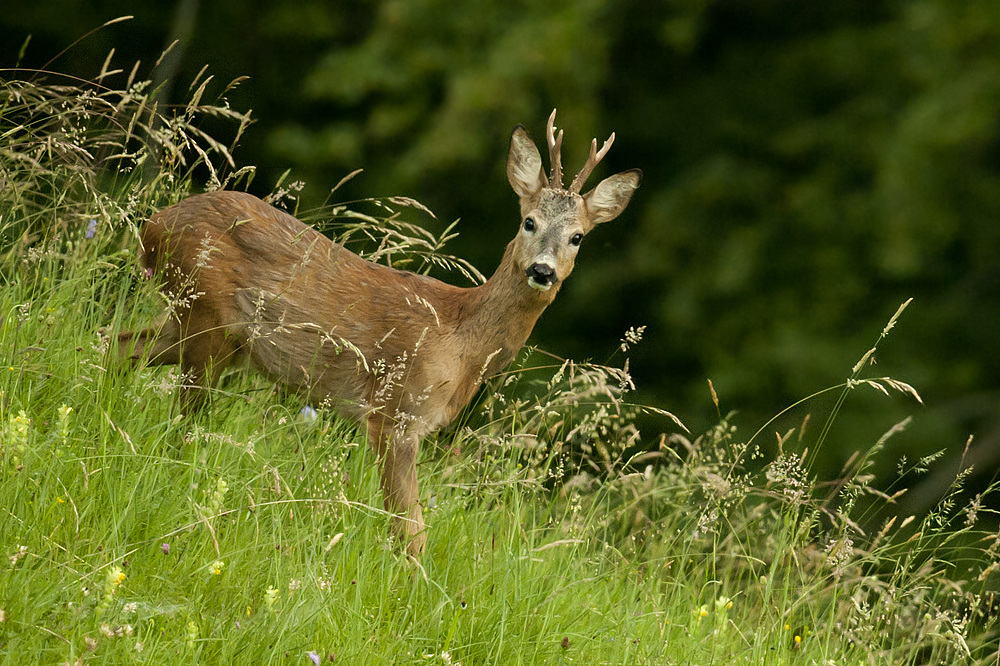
825, 163
425, 99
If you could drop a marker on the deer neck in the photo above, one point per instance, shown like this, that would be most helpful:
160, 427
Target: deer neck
502, 313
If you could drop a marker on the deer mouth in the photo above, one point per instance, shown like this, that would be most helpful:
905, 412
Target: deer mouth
541, 276
538, 286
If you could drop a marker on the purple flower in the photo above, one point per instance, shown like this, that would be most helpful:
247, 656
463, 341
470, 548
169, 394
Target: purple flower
91, 228
313, 657
165, 548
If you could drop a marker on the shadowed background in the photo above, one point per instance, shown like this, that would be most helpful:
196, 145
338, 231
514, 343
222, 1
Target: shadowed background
807, 168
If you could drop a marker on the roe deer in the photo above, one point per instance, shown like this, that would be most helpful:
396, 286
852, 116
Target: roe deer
400, 352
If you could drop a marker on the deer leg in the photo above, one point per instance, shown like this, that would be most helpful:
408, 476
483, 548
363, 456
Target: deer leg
157, 345
206, 354
397, 453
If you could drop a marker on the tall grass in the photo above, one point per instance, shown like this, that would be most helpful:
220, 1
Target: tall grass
252, 532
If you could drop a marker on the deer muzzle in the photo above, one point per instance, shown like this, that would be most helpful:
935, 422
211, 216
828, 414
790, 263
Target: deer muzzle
541, 276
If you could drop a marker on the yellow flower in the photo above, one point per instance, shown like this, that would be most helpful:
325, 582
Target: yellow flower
216, 568
112, 580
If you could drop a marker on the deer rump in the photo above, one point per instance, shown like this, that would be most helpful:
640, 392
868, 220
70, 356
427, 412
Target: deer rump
255, 282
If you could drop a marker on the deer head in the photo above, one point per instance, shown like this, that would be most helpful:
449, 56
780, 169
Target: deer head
554, 220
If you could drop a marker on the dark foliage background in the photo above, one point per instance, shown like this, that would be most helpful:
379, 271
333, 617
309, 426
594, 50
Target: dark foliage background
808, 166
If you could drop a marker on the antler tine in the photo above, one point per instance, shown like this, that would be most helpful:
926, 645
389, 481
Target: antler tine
592, 161
555, 151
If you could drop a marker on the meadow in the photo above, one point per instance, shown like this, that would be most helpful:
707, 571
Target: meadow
252, 532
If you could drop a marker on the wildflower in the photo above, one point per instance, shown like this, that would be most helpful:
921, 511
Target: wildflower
218, 494
192, 634
723, 604
63, 427
313, 657
216, 568
271, 598
17, 435
18, 553
308, 413
91, 228
130, 607
112, 580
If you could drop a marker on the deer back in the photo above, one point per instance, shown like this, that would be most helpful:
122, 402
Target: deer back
315, 317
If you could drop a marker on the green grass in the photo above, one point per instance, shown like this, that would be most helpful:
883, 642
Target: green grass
253, 532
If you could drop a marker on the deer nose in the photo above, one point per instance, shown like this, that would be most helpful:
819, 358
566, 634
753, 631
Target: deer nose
541, 276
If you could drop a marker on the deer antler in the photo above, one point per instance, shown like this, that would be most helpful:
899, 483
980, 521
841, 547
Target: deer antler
555, 152
595, 157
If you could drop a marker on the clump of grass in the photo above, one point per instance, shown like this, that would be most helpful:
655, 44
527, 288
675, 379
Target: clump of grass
82, 159
775, 560
253, 532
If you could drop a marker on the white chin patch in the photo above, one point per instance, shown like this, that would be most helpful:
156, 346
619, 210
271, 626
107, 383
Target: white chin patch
539, 286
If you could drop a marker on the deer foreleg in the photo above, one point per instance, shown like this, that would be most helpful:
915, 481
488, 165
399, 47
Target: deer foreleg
157, 345
201, 349
397, 454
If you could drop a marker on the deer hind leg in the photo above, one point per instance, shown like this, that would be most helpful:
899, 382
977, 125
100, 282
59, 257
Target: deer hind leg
397, 454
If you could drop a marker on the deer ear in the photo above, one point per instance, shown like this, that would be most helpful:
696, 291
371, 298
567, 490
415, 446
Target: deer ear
606, 201
524, 165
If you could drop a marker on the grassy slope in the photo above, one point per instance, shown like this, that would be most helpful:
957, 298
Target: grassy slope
253, 533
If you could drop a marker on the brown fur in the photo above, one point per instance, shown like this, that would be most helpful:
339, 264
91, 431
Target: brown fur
403, 353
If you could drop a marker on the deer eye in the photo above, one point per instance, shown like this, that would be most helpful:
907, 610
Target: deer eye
529, 224
575, 240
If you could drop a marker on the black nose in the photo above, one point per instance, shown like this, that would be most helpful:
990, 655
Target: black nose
541, 273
